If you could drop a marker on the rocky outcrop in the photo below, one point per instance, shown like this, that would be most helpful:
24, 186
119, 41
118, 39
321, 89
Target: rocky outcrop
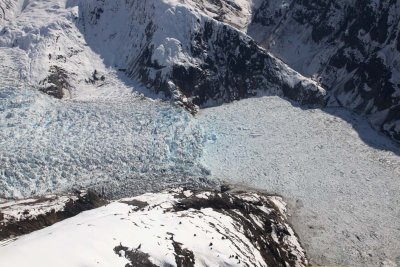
56, 83
247, 209
25, 216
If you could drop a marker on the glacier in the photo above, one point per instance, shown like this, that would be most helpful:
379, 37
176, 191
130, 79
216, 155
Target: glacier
52, 146
112, 134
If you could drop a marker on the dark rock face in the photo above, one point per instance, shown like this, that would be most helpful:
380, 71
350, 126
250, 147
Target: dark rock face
27, 224
55, 84
232, 67
215, 62
136, 257
183, 257
352, 46
246, 212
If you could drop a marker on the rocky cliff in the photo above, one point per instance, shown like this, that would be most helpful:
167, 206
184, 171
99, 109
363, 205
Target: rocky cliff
351, 47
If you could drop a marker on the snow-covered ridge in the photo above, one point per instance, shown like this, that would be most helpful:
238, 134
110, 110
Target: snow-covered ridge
172, 228
236, 13
19, 210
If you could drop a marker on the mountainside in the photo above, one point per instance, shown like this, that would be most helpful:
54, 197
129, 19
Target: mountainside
100, 95
172, 47
352, 47
172, 228
201, 53
198, 52
176, 47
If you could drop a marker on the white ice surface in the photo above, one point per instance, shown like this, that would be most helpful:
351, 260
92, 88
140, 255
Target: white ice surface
343, 191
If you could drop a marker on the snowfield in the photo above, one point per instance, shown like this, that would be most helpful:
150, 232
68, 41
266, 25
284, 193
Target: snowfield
342, 186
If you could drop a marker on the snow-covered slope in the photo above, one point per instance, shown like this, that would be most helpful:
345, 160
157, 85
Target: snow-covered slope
173, 47
176, 48
351, 46
172, 228
43, 35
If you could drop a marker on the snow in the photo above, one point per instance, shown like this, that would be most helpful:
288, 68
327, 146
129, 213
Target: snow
9, 10
89, 238
339, 176
126, 33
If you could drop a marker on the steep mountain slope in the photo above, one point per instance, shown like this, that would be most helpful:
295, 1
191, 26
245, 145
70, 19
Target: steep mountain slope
351, 46
197, 52
171, 228
169, 46
174, 47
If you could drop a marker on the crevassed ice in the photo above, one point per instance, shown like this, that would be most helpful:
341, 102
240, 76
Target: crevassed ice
49, 145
